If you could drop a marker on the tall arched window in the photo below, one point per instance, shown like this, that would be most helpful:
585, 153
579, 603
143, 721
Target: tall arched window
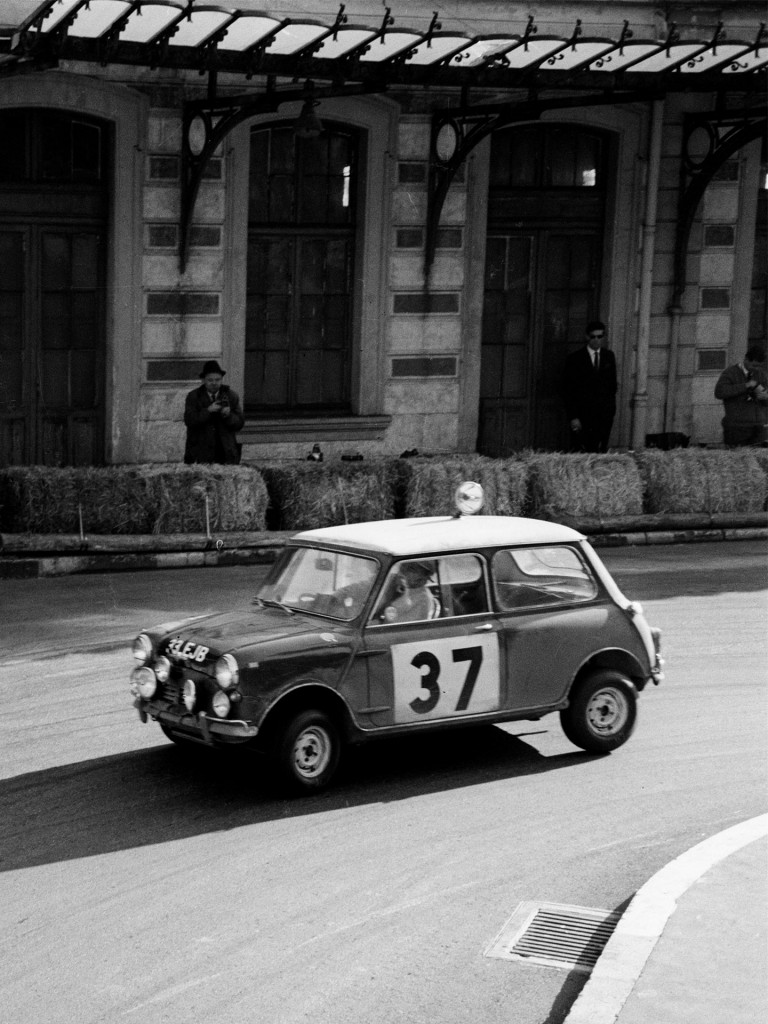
301, 234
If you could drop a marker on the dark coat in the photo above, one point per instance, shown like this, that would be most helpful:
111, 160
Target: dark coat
746, 415
210, 436
589, 395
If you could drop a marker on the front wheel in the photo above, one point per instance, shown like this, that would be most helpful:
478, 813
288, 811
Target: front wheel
308, 751
602, 712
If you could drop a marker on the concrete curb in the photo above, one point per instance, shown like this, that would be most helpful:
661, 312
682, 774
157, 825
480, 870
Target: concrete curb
627, 951
30, 566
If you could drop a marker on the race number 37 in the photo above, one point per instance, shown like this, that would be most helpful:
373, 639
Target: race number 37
446, 677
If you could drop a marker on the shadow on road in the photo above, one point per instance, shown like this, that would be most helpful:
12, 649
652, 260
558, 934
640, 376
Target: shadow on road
165, 793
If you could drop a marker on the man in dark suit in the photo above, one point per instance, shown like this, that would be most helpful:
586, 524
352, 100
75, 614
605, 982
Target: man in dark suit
589, 392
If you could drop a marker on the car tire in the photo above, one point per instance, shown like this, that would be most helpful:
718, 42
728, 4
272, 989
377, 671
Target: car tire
602, 712
307, 751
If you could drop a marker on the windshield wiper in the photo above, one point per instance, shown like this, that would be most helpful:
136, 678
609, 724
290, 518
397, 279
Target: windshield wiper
265, 603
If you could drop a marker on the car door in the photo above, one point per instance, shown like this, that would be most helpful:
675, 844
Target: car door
432, 644
553, 616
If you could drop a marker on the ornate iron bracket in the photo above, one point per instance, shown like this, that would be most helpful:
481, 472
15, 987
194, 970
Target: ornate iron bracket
207, 122
709, 140
455, 133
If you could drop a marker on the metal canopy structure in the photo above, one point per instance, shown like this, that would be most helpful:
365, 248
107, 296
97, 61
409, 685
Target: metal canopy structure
192, 35
334, 58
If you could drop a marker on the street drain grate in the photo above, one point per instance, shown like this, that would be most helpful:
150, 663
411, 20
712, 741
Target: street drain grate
555, 935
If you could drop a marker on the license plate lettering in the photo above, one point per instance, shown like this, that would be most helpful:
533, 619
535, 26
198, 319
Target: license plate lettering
190, 651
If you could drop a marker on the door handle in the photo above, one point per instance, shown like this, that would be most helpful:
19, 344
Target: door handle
484, 628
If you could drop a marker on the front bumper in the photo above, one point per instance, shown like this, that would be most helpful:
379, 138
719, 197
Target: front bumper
657, 672
197, 725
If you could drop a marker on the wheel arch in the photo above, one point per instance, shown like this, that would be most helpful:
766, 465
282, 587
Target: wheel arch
307, 695
618, 660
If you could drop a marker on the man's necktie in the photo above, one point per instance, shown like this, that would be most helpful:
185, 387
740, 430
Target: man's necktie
597, 359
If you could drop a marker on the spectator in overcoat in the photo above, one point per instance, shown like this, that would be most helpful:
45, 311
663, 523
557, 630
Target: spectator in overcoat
743, 390
589, 392
212, 416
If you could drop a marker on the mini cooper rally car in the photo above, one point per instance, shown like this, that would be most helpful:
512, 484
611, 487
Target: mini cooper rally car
381, 628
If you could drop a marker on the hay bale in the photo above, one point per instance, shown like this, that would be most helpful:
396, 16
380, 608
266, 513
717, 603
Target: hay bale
237, 498
580, 485
429, 484
114, 500
39, 499
702, 481
131, 499
306, 495
761, 458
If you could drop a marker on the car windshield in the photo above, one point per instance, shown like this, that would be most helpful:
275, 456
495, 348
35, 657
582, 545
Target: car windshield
332, 583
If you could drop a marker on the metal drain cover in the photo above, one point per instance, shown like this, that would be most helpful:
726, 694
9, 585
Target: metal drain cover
555, 935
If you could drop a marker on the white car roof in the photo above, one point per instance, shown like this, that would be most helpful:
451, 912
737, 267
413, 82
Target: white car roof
402, 537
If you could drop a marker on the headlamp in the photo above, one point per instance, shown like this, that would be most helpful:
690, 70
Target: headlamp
189, 695
220, 704
143, 682
142, 648
227, 672
162, 669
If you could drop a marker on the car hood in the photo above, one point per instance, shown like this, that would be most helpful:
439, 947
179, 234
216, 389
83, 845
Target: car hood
231, 632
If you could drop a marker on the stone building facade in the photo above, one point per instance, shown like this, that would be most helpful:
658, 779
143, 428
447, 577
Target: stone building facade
352, 302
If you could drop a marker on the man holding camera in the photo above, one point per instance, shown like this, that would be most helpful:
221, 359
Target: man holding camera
743, 390
213, 416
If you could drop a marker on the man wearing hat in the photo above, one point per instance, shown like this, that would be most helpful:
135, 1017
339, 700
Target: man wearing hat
212, 415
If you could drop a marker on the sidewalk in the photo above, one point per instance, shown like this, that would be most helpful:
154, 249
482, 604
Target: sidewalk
692, 947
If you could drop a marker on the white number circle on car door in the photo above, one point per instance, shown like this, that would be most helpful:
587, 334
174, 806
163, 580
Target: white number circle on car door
446, 678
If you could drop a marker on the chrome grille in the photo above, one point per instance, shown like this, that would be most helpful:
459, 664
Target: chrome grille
173, 688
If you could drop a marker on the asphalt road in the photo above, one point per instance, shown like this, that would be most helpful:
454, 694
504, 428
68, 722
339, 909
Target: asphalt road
138, 883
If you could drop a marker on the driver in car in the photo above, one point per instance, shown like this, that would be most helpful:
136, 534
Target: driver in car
413, 600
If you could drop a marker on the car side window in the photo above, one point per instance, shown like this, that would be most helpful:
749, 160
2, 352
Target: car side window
462, 585
416, 590
409, 594
540, 577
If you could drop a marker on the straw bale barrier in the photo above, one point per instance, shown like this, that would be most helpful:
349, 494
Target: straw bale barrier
237, 498
761, 457
569, 487
696, 480
429, 485
139, 499
170, 499
309, 495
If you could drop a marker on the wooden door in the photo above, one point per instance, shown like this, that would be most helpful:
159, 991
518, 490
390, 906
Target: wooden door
51, 346
540, 289
546, 222
54, 199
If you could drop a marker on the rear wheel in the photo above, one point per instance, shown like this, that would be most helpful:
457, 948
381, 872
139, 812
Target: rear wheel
307, 751
602, 713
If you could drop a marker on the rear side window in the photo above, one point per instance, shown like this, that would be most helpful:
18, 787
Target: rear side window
540, 577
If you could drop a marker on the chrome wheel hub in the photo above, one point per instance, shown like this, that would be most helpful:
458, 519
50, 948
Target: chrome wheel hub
607, 711
312, 752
